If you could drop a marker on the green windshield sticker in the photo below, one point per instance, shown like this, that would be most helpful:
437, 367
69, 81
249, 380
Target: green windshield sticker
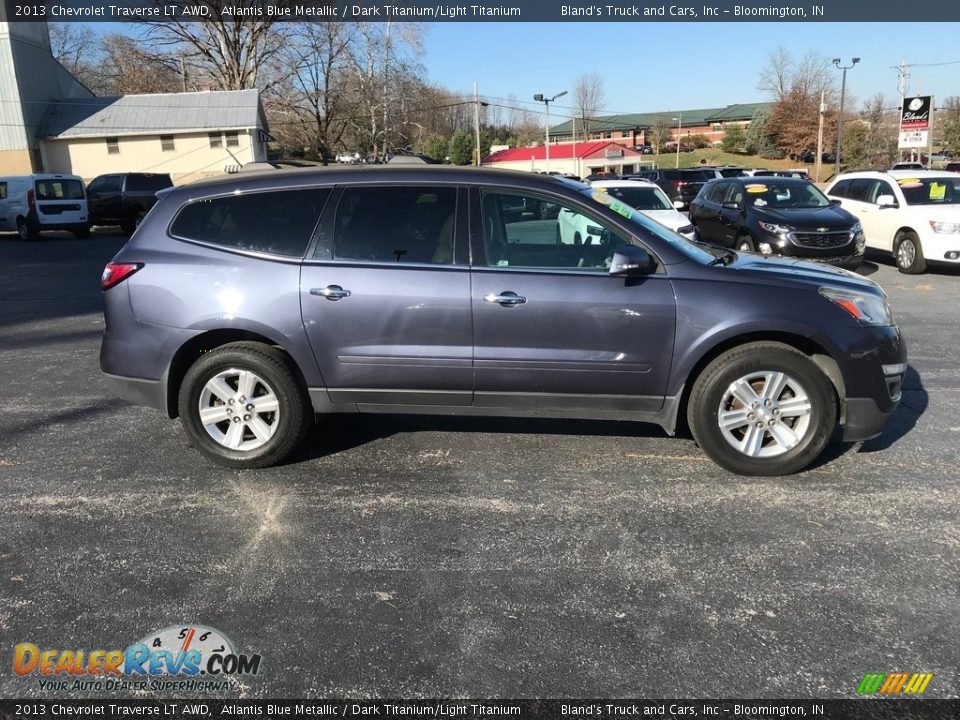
621, 208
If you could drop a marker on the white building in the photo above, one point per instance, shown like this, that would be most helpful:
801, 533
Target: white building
49, 122
188, 135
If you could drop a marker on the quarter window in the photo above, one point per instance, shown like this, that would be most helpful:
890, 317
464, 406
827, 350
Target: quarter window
861, 189
523, 231
279, 222
396, 225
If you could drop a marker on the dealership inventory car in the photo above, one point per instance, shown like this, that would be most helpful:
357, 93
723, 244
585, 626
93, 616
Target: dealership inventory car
777, 216
680, 185
641, 195
913, 214
31, 204
249, 304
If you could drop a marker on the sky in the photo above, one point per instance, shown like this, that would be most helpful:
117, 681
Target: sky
650, 67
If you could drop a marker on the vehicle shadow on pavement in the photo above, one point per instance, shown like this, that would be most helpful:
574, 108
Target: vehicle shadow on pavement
913, 404
71, 415
347, 432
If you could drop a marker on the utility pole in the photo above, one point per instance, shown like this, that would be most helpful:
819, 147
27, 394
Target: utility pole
843, 92
576, 160
679, 120
476, 119
539, 97
823, 109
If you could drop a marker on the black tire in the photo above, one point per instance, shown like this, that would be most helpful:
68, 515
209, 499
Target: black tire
295, 414
908, 254
711, 389
82, 233
138, 218
25, 230
744, 243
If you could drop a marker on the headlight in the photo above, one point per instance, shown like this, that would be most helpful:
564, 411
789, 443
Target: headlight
685, 230
868, 309
776, 229
945, 228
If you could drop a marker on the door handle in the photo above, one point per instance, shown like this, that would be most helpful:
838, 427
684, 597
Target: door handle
508, 298
331, 292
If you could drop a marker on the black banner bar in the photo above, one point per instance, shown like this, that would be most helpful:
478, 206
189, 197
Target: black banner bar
340, 709
480, 11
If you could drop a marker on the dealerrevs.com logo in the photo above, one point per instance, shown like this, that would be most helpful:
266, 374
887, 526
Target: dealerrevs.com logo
894, 683
174, 658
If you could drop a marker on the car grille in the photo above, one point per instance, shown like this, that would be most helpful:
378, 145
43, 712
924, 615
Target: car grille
821, 240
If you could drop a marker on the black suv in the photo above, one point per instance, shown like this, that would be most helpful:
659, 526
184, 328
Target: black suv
777, 216
124, 198
682, 184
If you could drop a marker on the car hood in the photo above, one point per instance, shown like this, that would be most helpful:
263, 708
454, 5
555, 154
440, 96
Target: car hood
828, 217
671, 218
782, 271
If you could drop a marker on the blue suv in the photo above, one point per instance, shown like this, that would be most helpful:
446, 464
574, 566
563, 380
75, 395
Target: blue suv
252, 304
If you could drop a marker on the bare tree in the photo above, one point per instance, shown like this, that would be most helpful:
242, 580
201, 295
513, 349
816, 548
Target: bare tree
232, 50
75, 46
588, 97
659, 132
308, 99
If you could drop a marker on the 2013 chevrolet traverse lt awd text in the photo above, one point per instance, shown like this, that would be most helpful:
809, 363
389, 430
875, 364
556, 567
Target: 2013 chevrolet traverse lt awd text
250, 304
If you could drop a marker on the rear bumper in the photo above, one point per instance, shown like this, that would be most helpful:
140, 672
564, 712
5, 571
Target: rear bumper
139, 391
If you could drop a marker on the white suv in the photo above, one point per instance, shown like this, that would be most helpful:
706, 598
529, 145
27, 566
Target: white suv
913, 214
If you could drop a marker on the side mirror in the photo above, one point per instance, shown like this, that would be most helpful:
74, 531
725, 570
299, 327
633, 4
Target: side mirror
631, 261
594, 230
887, 201
678, 204
835, 202
732, 206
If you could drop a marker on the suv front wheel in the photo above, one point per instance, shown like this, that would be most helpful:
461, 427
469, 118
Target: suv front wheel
762, 409
242, 405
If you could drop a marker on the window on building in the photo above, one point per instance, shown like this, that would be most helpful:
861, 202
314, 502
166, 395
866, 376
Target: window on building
216, 140
113, 146
717, 127
232, 138
166, 143
607, 136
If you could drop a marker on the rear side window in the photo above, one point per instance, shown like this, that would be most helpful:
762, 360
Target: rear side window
59, 189
278, 222
841, 188
3, 191
146, 183
396, 224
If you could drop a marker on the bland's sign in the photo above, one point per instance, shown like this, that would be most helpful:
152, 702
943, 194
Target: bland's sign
916, 117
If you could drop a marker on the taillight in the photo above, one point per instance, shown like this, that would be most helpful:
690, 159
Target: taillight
31, 201
114, 273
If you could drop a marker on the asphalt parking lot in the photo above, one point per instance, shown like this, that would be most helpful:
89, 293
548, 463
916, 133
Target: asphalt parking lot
405, 557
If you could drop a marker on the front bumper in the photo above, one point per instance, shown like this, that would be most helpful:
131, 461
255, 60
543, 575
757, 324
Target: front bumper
864, 420
873, 375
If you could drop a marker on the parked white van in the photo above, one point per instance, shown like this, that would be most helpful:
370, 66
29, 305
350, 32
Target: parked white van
31, 204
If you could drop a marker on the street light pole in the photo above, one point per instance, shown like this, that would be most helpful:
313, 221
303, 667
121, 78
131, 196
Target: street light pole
679, 120
539, 97
843, 92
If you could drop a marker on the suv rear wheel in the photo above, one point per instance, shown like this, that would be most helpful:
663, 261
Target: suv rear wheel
243, 406
762, 409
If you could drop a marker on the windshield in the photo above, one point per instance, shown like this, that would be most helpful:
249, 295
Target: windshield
642, 197
931, 191
772, 193
651, 226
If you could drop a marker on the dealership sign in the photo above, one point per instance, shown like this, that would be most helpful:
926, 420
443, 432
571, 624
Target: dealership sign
916, 117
